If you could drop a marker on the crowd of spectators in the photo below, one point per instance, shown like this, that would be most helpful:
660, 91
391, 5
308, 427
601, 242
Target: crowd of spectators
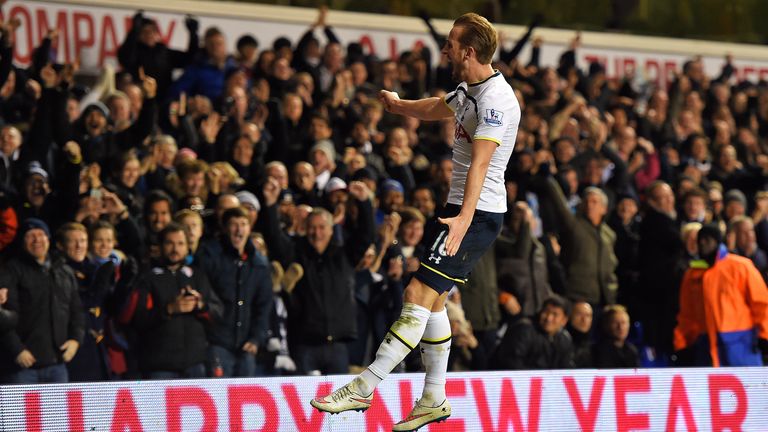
257, 212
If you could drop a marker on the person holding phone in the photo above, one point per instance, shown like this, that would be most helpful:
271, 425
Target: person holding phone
171, 308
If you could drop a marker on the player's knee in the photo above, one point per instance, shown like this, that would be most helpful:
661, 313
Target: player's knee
417, 292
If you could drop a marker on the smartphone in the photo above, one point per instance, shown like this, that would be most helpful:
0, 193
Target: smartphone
96, 193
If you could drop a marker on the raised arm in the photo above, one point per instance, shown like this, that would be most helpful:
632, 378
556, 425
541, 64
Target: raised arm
134, 136
127, 52
439, 38
364, 232
280, 245
553, 194
507, 56
432, 108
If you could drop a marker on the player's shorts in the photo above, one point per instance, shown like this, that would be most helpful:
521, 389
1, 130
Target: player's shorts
440, 271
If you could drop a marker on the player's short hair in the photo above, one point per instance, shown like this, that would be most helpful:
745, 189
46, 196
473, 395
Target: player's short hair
479, 34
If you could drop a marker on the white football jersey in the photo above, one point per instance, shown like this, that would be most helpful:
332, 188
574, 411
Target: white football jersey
485, 110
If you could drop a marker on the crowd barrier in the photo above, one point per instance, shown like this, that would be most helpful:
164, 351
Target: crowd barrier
92, 30
568, 400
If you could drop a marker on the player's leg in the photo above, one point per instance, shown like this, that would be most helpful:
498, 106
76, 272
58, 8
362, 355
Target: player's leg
435, 348
433, 406
403, 336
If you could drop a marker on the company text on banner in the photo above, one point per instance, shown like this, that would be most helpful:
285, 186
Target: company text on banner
93, 34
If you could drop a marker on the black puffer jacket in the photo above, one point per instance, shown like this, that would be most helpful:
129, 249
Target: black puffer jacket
46, 299
322, 306
171, 342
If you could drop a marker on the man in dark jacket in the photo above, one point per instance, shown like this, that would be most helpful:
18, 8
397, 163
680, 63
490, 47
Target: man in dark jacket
173, 304
91, 362
240, 276
613, 351
143, 48
661, 249
580, 329
43, 292
543, 345
322, 306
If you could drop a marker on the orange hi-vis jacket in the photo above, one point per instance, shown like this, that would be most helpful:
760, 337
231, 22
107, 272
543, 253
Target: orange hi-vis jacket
729, 304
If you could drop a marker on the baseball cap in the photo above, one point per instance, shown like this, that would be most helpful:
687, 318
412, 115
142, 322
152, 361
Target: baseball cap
248, 198
335, 184
34, 167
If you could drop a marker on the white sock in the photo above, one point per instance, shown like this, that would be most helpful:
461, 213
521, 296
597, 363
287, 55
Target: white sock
401, 339
435, 349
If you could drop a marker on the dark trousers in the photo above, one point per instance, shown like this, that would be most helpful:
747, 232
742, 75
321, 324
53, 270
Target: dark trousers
233, 364
327, 358
49, 374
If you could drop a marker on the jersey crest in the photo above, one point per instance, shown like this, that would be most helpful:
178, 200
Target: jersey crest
461, 133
